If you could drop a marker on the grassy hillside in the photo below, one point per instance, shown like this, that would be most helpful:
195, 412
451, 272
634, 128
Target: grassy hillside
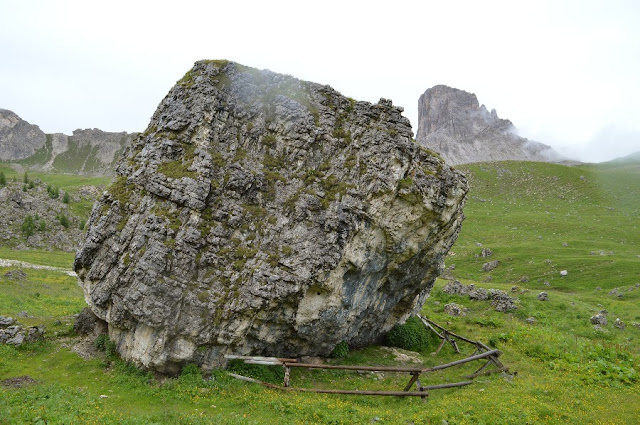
539, 219
580, 219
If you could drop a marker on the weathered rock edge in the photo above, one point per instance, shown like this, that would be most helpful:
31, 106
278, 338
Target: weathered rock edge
260, 214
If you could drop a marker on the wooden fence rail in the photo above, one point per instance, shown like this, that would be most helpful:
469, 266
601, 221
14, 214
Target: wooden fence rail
482, 352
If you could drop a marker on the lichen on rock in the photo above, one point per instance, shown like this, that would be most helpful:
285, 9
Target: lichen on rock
261, 214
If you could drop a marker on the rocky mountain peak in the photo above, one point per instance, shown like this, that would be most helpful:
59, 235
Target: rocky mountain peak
261, 214
18, 138
453, 123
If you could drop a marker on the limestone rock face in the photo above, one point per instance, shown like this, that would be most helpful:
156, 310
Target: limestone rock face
260, 214
18, 138
452, 123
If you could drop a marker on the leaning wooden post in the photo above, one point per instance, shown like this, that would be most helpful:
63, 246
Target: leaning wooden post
414, 378
287, 371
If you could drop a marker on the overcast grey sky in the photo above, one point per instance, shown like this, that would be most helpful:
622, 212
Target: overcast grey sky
566, 73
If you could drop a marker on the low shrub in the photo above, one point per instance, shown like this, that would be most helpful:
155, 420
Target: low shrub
340, 351
411, 335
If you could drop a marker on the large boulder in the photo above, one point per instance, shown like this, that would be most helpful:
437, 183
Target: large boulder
260, 214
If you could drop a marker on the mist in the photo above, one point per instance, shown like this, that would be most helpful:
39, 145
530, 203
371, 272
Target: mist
609, 143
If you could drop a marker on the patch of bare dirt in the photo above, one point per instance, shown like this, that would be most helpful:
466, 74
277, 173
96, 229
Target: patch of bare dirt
18, 382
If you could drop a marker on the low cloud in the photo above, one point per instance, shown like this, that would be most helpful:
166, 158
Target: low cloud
609, 143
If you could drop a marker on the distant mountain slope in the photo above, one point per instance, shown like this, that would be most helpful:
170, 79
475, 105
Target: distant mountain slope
88, 152
452, 123
633, 158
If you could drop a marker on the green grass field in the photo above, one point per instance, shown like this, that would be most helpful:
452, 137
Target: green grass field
581, 219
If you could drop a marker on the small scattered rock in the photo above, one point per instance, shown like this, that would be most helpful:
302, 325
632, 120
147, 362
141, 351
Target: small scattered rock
17, 274
514, 288
563, 273
455, 287
524, 279
479, 294
530, 320
502, 301
486, 252
598, 288
619, 324
453, 309
543, 296
6, 321
565, 244
487, 267
17, 335
546, 283
403, 356
599, 319
23, 314
312, 360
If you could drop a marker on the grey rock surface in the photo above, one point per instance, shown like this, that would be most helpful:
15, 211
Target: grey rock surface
18, 335
599, 319
456, 310
18, 138
6, 321
454, 124
260, 214
491, 265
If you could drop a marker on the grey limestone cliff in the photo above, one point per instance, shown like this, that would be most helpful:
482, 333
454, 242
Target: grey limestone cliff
453, 123
260, 214
18, 138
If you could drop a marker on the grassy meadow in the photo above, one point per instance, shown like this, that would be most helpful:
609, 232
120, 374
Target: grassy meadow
537, 219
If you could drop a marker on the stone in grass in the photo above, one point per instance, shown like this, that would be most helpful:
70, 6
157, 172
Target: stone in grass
456, 310
479, 294
455, 287
543, 296
619, 324
502, 301
530, 320
599, 319
487, 267
17, 274
6, 321
563, 273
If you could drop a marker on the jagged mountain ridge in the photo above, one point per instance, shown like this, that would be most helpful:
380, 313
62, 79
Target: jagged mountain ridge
454, 124
89, 152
